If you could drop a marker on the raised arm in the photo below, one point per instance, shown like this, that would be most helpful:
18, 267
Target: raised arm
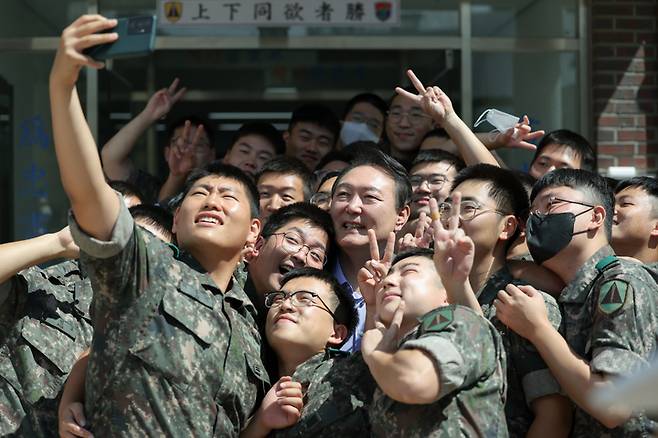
17, 256
438, 105
94, 203
116, 152
407, 376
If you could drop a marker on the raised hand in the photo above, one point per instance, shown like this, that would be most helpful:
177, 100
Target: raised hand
184, 150
519, 136
453, 250
80, 35
433, 100
163, 100
282, 405
382, 338
422, 237
375, 269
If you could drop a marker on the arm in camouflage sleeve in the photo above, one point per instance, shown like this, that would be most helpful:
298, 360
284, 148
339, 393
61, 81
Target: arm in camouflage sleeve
523, 310
94, 203
407, 376
17, 256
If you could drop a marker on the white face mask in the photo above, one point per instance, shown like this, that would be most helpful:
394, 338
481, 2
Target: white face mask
351, 132
503, 122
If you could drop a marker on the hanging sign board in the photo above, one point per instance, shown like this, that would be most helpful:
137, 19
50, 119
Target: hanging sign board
278, 13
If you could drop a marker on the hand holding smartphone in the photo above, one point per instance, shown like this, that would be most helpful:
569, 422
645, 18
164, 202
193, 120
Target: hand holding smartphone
136, 38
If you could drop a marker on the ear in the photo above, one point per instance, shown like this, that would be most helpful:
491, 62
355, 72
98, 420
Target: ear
402, 218
654, 231
286, 136
252, 251
598, 218
254, 232
338, 336
510, 224
174, 227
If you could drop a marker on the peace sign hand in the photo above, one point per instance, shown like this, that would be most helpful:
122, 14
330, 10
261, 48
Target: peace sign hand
454, 251
422, 237
375, 269
184, 151
519, 136
433, 100
163, 100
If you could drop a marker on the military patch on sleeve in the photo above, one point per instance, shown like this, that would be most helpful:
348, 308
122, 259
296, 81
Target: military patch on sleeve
613, 296
438, 320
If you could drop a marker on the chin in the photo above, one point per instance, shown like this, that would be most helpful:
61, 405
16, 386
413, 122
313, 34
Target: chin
350, 241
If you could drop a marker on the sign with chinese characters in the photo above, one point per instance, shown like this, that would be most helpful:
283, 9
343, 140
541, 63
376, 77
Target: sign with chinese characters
278, 12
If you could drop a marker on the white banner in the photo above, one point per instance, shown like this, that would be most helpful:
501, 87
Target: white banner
278, 12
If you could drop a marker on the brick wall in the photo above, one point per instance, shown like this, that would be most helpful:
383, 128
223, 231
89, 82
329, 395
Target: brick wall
624, 77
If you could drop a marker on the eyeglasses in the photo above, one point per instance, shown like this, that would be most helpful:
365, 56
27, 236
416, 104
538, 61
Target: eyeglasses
434, 180
468, 210
554, 200
320, 198
359, 117
416, 117
292, 243
301, 298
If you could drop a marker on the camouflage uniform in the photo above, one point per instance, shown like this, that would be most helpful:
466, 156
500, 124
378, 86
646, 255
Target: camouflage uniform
472, 380
528, 375
611, 321
172, 355
338, 387
44, 327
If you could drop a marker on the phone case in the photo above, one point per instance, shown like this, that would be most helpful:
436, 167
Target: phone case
136, 38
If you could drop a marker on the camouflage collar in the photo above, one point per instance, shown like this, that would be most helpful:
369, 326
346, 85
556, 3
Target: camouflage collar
236, 293
578, 288
496, 282
189, 260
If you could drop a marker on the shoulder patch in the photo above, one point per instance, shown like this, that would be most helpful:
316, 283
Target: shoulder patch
613, 296
438, 320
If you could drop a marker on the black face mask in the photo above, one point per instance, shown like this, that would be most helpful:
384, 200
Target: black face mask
549, 234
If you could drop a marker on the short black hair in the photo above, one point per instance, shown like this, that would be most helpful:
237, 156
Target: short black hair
126, 189
306, 211
318, 114
593, 185
436, 132
332, 174
264, 130
646, 183
413, 252
571, 140
438, 156
504, 188
285, 165
155, 216
217, 168
346, 313
369, 98
195, 120
342, 155
374, 157
527, 181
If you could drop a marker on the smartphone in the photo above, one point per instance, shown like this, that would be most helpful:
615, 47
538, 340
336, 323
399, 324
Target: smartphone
136, 38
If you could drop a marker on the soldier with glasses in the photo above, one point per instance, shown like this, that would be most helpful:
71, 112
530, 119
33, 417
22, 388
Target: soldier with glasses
321, 391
